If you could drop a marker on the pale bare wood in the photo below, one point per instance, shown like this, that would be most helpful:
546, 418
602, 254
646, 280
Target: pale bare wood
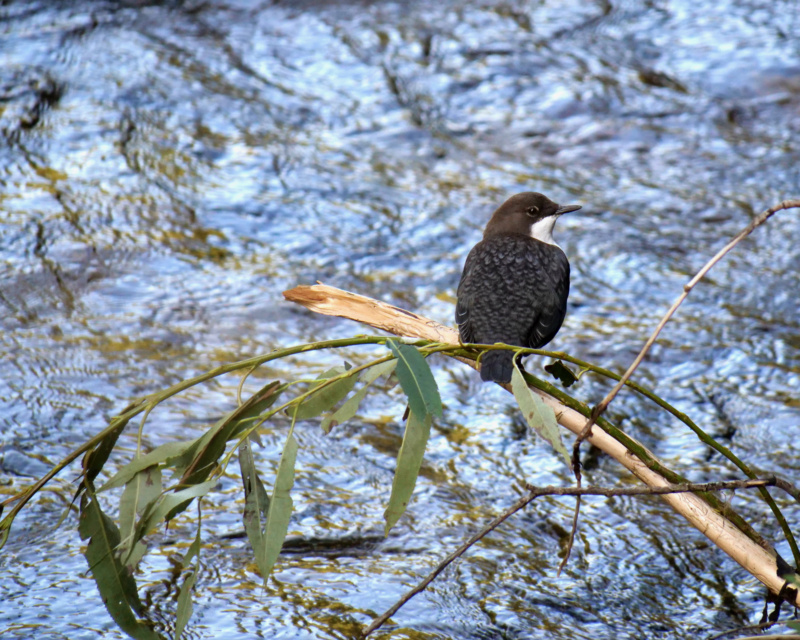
758, 561
331, 301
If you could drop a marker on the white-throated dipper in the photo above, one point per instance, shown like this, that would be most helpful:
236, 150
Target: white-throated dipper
515, 282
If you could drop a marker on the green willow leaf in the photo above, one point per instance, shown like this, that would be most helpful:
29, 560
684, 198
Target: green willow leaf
95, 459
409, 461
5, 527
328, 396
212, 445
540, 417
562, 373
349, 409
156, 456
162, 508
194, 548
416, 380
134, 555
256, 499
143, 488
184, 610
115, 583
280, 510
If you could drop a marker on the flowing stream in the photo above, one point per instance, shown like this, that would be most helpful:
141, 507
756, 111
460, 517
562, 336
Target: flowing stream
167, 169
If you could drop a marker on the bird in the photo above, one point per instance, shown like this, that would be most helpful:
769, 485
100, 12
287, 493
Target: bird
515, 282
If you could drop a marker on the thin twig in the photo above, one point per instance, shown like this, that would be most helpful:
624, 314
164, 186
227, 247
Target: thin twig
573, 530
776, 636
600, 408
788, 487
771, 636
757, 222
536, 492
689, 487
763, 626
241, 385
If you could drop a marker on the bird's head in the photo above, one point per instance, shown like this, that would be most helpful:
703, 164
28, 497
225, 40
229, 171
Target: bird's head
527, 213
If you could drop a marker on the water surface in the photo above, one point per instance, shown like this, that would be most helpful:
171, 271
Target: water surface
169, 168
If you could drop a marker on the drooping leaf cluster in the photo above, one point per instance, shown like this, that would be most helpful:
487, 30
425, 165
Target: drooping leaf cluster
158, 485
194, 467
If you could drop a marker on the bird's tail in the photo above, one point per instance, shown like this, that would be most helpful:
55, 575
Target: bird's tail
497, 365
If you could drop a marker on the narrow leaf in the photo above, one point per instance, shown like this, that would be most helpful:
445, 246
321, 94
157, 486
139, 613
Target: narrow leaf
194, 548
185, 608
212, 445
140, 491
95, 459
368, 376
327, 396
349, 409
115, 583
280, 510
184, 611
540, 417
409, 461
562, 373
134, 555
416, 380
346, 412
161, 509
5, 528
256, 499
156, 456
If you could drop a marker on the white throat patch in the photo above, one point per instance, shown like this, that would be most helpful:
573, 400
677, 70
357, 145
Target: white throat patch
543, 230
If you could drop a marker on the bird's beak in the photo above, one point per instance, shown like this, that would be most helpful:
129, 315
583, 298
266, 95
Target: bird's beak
567, 208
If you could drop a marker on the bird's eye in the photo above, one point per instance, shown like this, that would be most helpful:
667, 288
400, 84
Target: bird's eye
532, 211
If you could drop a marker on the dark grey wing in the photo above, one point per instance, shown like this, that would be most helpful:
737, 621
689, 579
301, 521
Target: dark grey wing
466, 299
551, 297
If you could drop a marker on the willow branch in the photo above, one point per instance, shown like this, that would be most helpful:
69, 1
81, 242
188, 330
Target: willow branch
755, 223
761, 561
537, 492
600, 408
